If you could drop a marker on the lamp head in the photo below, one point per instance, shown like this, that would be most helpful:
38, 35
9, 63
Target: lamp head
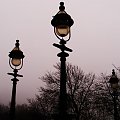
16, 56
114, 81
62, 22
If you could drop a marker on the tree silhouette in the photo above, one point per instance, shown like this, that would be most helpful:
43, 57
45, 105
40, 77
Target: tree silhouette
78, 92
88, 97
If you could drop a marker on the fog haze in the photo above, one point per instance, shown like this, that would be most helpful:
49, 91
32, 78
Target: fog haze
95, 40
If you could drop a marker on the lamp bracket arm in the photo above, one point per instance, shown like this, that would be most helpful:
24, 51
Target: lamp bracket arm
62, 47
15, 75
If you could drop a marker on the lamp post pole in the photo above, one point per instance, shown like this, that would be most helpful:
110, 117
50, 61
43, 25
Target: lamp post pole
16, 62
63, 105
13, 98
115, 105
62, 23
114, 85
63, 80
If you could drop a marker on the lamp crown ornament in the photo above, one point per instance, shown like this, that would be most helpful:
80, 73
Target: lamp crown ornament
17, 43
16, 52
62, 7
62, 17
113, 72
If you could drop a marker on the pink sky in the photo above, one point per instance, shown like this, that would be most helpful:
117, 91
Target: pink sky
95, 40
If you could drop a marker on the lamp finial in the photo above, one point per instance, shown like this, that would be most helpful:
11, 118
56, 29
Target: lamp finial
62, 7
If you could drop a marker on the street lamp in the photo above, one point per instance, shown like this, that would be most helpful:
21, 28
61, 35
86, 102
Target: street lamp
114, 86
62, 23
16, 63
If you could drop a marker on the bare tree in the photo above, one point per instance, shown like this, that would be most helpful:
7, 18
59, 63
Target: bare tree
78, 92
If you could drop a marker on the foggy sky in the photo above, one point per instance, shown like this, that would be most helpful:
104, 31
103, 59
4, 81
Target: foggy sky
95, 40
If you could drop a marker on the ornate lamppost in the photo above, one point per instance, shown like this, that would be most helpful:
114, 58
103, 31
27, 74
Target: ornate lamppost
114, 86
16, 63
62, 23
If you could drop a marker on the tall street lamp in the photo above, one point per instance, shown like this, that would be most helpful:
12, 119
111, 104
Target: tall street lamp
62, 23
16, 63
114, 86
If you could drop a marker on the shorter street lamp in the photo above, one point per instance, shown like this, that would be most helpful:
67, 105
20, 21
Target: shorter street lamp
16, 63
114, 86
62, 23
